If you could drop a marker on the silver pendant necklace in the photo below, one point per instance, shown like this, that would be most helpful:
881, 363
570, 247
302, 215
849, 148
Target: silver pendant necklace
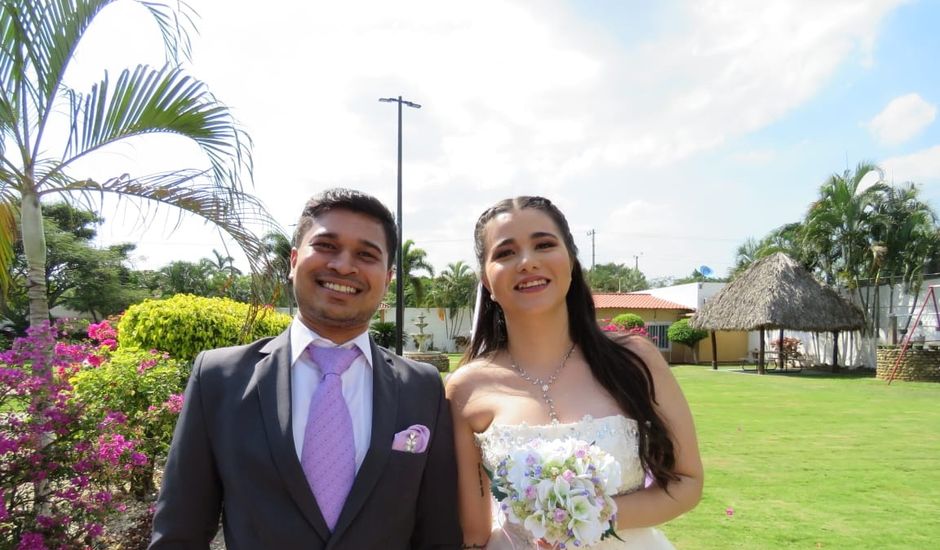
541, 384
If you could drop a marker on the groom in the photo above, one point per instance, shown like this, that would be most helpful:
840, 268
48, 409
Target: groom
316, 438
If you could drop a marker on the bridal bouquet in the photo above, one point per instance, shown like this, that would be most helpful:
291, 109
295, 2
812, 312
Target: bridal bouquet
559, 491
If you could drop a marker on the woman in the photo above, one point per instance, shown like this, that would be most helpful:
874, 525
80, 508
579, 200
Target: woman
539, 368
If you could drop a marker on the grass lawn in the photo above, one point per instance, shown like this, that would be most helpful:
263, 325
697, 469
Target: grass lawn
813, 461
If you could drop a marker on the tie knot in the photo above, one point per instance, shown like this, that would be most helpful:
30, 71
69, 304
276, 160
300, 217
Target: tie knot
333, 360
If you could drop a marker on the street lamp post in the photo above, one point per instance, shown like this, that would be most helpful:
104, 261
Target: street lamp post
399, 264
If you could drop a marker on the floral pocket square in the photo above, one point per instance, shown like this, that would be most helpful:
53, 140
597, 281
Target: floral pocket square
413, 440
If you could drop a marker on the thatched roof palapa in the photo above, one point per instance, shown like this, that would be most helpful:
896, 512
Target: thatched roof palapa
777, 293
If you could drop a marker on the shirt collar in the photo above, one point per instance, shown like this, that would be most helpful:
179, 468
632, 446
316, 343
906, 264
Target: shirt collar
302, 336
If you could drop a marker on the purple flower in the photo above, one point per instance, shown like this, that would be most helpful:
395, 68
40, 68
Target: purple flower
32, 541
174, 403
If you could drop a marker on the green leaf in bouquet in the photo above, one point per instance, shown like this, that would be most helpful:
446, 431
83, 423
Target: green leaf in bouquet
494, 486
611, 532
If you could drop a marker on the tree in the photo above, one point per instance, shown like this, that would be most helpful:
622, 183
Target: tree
697, 277
277, 249
681, 331
905, 238
182, 277
614, 277
839, 224
414, 259
78, 275
455, 289
786, 238
37, 41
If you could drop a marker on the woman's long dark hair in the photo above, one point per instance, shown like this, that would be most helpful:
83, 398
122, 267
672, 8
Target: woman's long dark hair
622, 373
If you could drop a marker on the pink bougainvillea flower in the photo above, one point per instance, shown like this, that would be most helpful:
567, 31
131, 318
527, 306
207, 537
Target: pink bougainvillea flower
729, 511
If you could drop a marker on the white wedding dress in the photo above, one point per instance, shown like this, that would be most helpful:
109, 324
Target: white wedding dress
615, 434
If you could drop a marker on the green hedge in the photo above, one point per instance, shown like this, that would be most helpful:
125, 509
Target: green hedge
185, 325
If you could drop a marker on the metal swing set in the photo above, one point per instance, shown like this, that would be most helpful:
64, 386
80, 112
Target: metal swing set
929, 298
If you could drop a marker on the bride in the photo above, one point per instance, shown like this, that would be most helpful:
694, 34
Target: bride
539, 368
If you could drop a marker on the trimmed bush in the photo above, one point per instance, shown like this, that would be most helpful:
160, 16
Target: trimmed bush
185, 325
628, 321
681, 331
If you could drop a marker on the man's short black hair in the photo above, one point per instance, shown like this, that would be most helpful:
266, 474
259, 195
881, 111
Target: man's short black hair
353, 201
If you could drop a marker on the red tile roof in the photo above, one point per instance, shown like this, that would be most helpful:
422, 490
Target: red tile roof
615, 300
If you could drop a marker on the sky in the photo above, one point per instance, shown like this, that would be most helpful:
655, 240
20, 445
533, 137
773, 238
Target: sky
672, 130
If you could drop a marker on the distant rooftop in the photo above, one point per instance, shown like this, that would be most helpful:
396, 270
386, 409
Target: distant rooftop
617, 300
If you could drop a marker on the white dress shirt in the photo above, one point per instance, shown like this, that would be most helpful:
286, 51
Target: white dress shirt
357, 386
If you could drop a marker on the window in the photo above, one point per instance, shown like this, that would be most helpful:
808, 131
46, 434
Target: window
658, 333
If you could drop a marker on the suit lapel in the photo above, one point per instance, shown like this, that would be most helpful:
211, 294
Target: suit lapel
385, 386
272, 378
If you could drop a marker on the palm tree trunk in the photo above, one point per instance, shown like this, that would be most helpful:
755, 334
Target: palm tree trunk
34, 246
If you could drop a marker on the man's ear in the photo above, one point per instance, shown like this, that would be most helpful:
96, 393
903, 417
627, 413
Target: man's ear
293, 263
388, 278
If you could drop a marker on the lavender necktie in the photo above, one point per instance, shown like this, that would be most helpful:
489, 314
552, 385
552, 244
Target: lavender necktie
329, 453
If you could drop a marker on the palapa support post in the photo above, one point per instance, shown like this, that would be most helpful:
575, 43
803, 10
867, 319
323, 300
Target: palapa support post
760, 354
714, 352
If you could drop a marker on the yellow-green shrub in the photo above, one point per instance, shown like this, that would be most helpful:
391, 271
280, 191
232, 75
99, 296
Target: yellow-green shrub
184, 325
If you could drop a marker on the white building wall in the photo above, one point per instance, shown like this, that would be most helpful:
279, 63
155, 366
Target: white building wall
435, 318
691, 295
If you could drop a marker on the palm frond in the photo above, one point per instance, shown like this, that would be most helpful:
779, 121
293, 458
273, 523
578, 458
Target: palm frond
231, 210
167, 100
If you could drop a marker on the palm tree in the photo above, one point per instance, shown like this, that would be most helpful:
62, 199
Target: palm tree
414, 259
277, 249
37, 41
906, 236
455, 289
786, 238
839, 225
225, 264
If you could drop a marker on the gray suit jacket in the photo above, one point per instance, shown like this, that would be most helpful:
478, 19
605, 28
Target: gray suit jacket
233, 454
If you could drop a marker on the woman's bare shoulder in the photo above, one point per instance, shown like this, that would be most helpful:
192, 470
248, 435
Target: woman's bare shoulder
470, 376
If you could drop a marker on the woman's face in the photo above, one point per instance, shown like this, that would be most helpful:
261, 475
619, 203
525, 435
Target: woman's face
526, 265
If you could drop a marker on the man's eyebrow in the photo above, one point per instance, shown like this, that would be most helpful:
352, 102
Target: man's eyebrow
364, 242
369, 244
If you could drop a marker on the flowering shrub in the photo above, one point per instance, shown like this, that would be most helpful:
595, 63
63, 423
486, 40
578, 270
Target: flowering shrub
56, 483
790, 345
137, 393
628, 321
639, 331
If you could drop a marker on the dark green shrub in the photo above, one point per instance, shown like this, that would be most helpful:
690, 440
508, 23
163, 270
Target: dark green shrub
383, 332
628, 321
184, 325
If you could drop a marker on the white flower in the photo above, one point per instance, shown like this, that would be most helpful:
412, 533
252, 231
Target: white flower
558, 490
536, 524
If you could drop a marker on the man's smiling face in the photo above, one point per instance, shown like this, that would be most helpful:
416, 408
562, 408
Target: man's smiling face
340, 273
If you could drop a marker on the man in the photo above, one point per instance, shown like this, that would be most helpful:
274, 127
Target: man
301, 445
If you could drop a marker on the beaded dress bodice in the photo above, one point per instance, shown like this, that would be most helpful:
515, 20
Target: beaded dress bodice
616, 435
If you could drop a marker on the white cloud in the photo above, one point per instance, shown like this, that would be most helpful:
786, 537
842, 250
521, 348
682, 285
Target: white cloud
902, 119
920, 167
517, 98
